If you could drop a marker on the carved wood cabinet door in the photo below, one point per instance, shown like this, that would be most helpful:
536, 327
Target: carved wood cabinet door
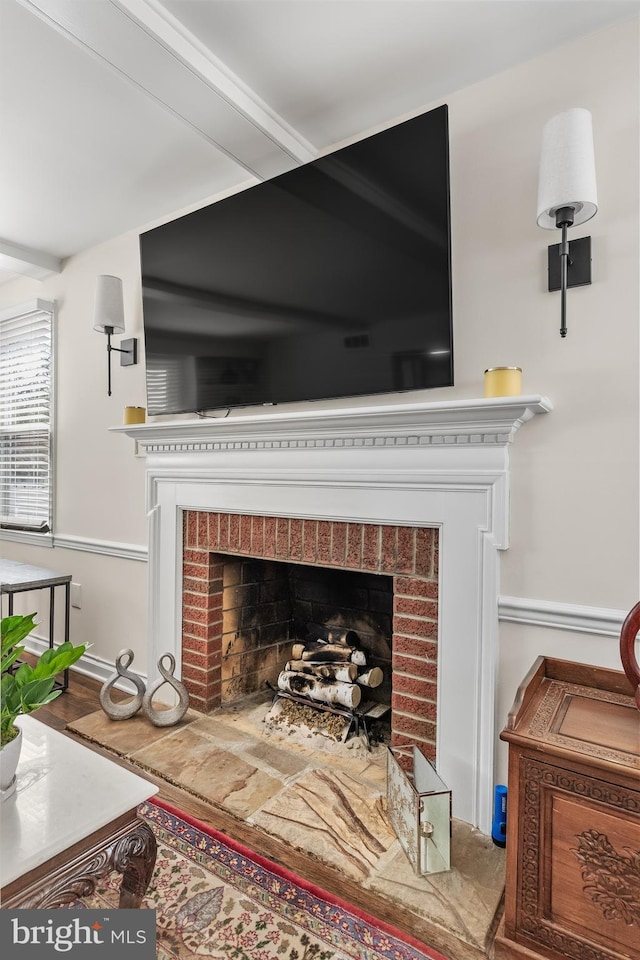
579, 879
573, 821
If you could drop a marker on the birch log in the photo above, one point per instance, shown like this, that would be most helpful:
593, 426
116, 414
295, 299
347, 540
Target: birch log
371, 678
359, 657
339, 694
321, 652
346, 672
332, 635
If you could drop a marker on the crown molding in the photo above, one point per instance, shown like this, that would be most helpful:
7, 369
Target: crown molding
435, 424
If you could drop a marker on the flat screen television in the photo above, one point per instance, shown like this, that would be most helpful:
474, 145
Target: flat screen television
330, 280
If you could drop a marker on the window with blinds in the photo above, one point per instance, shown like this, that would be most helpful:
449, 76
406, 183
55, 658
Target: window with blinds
26, 417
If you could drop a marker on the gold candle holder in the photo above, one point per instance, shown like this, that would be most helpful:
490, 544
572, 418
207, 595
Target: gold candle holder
503, 382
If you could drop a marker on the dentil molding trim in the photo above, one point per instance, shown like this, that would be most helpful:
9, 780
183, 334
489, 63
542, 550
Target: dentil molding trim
442, 423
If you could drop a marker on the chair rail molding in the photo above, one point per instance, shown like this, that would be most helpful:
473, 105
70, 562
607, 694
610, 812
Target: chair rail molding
603, 621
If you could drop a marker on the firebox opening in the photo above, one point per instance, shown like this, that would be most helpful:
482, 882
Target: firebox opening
251, 582
268, 606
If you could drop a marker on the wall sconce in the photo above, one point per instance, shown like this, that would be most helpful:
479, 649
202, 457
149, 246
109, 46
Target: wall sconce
109, 318
567, 197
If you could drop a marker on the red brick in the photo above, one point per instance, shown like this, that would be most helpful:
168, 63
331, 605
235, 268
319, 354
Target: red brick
282, 538
269, 536
200, 600
197, 571
202, 691
191, 538
257, 536
233, 536
223, 536
406, 549
425, 540
416, 686
413, 587
195, 586
370, 547
195, 630
213, 531
415, 627
193, 615
422, 709
389, 549
416, 607
414, 646
417, 666
196, 644
204, 601
203, 529
192, 659
414, 726
204, 677
295, 539
324, 541
338, 543
203, 705
427, 747
309, 540
210, 661
436, 554
195, 556
244, 544
354, 545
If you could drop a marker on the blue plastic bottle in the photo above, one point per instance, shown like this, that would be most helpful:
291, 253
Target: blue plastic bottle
499, 825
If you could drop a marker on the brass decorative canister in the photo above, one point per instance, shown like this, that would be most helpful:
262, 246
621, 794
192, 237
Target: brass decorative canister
503, 382
134, 415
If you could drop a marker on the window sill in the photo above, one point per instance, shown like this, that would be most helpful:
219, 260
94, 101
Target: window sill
26, 536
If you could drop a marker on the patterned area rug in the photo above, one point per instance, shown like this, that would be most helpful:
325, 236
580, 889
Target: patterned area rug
214, 898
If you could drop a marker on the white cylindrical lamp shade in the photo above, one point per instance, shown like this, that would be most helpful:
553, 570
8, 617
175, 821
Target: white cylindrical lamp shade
109, 306
567, 168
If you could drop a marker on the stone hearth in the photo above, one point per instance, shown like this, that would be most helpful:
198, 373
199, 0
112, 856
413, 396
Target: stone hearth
425, 466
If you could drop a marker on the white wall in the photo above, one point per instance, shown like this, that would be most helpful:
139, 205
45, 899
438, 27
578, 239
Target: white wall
575, 474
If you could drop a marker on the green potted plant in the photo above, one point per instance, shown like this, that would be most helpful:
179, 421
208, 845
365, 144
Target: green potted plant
25, 688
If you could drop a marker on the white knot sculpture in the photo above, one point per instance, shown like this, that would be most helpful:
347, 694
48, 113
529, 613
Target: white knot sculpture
122, 711
166, 718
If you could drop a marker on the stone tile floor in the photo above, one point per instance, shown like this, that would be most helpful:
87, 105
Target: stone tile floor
322, 797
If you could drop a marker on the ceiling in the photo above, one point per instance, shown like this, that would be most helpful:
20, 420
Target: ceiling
117, 113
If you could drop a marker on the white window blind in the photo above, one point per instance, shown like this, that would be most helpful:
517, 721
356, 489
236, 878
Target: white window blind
26, 416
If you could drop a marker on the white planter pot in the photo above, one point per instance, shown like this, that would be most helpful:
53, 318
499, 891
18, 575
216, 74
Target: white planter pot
9, 757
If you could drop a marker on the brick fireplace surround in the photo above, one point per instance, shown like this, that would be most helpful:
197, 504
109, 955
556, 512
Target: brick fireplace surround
380, 471
408, 554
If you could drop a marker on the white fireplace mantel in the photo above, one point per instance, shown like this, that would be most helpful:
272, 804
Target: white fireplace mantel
434, 464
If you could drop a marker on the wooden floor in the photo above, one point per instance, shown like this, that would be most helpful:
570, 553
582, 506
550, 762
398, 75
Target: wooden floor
82, 698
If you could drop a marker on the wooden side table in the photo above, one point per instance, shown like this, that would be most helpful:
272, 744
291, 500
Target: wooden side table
573, 817
71, 821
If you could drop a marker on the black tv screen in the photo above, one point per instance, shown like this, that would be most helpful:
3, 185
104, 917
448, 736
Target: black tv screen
330, 280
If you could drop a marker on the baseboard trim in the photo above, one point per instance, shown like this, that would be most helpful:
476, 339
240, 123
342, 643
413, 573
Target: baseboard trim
89, 666
603, 621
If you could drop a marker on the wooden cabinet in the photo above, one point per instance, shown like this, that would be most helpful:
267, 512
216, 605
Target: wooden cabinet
573, 817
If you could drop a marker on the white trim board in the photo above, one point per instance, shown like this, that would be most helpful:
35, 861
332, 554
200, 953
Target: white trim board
602, 621
88, 665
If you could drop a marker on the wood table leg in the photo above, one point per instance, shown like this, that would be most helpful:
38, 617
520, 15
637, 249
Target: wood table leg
134, 856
